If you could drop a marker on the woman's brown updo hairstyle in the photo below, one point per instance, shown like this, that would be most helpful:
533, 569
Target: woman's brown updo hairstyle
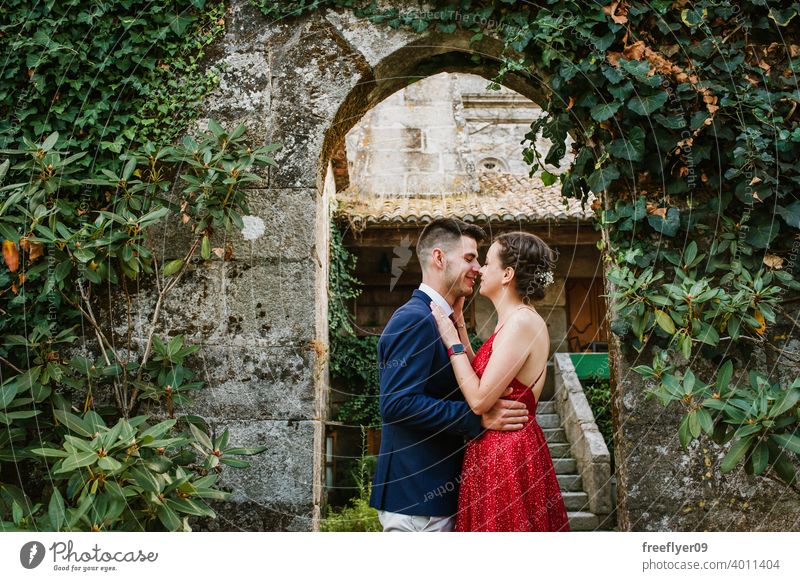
533, 262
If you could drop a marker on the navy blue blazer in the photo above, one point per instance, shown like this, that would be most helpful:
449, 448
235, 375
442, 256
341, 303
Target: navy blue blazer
424, 417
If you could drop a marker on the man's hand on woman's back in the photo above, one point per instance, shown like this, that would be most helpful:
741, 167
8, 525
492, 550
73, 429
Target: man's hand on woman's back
506, 415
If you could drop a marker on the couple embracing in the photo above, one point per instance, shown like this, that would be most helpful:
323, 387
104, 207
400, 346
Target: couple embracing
436, 395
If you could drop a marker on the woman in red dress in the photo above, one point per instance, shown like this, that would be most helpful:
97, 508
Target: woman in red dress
508, 482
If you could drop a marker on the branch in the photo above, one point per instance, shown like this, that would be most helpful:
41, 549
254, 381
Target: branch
101, 338
11, 365
787, 315
157, 313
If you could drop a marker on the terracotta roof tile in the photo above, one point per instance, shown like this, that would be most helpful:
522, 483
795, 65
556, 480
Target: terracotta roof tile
502, 198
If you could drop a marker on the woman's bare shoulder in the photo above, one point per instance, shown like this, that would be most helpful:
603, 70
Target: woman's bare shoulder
531, 319
526, 322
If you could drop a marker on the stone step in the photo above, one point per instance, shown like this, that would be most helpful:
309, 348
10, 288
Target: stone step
548, 420
546, 407
565, 465
555, 435
575, 501
570, 482
559, 450
582, 521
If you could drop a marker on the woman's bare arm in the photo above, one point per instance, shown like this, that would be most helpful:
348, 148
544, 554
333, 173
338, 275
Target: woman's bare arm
509, 353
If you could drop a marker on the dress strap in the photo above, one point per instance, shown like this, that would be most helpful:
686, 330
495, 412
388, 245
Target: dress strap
540, 376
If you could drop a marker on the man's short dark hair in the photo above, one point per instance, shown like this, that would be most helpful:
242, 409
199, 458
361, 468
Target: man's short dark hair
445, 233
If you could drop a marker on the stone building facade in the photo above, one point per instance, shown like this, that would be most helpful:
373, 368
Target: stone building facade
261, 316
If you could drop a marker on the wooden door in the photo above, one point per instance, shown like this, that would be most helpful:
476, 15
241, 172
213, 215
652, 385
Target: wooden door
587, 316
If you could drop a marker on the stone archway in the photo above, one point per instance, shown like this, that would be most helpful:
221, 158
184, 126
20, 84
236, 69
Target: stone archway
304, 82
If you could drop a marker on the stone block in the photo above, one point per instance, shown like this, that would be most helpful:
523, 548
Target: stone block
665, 487
402, 162
251, 383
453, 163
281, 223
244, 85
590, 448
289, 222
313, 71
393, 139
435, 88
254, 517
230, 303
439, 139
374, 41
280, 476
437, 183
428, 116
276, 492
246, 28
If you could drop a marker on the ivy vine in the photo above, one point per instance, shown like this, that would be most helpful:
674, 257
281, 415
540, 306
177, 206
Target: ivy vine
353, 363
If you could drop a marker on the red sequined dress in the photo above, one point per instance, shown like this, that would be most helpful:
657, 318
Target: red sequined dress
508, 482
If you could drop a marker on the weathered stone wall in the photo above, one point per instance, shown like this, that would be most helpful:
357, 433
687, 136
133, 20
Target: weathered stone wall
304, 82
414, 142
661, 486
262, 316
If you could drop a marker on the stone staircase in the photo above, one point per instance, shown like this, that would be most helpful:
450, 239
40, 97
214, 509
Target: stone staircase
576, 501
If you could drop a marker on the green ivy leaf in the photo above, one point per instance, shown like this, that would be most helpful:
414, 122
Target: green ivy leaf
782, 17
548, 179
647, 104
601, 179
630, 147
692, 18
791, 214
762, 231
604, 111
668, 226
180, 23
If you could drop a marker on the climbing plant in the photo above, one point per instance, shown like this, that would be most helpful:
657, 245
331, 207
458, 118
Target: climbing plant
682, 118
107, 74
95, 430
353, 363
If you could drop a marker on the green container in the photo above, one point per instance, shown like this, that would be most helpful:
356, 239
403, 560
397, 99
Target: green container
590, 365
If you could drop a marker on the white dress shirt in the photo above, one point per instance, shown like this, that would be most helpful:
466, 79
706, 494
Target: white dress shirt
437, 298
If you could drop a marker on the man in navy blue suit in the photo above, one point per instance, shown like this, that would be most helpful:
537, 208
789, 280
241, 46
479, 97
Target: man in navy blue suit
425, 419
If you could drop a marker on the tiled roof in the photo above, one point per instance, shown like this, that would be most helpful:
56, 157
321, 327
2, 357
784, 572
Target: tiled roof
502, 198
